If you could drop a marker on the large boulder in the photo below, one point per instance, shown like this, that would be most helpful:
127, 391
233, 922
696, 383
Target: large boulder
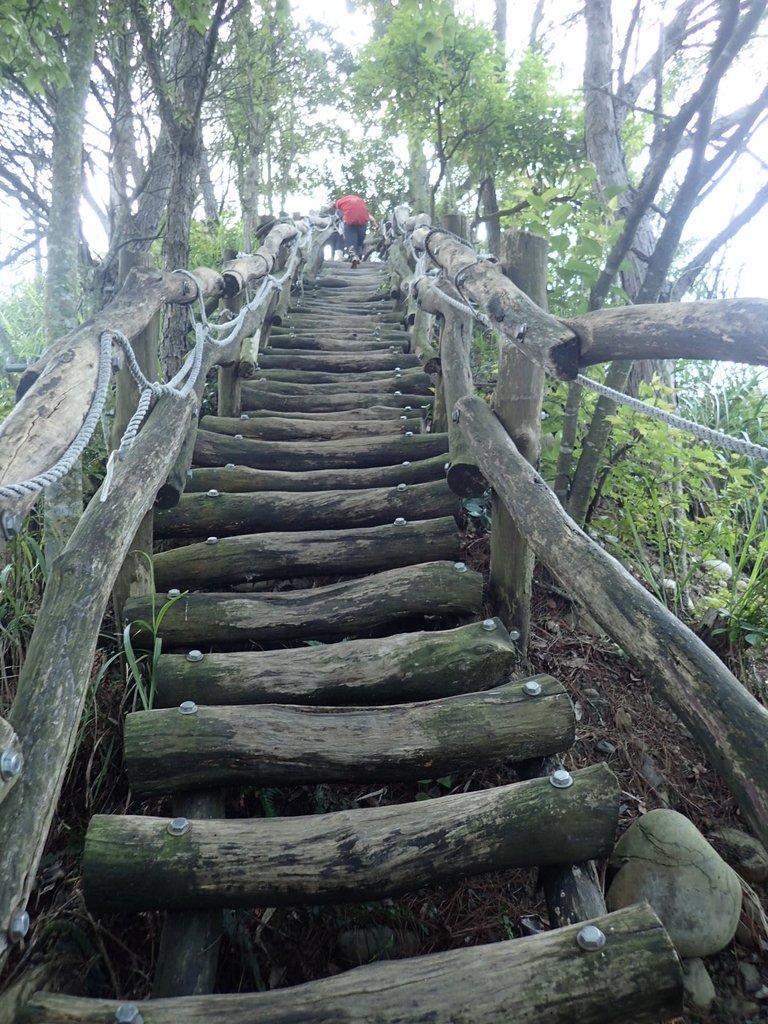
664, 859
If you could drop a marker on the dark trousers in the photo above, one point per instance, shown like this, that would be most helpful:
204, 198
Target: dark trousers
354, 236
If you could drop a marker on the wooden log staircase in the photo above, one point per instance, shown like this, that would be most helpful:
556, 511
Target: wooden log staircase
319, 626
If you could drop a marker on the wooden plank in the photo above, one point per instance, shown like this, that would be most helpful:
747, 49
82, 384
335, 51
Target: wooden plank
542, 979
223, 514
131, 863
340, 362
347, 453
264, 428
286, 745
433, 589
407, 384
413, 377
244, 478
386, 670
281, 555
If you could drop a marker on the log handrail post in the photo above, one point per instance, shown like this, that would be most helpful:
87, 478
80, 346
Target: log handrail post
228, 403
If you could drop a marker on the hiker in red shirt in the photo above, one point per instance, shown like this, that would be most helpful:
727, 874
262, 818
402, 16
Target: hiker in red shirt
356, 219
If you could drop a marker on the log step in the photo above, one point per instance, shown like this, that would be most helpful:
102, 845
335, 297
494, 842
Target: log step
316, 401
224, 514
407, 383
340, 341
386, 670
300, 456
233, 477
132, 863
431, 590
168, 751
542, 979
269, 428
357, 362
325, 377
281, 555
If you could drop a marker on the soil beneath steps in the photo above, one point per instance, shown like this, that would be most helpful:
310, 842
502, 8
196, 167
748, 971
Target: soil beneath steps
620, 720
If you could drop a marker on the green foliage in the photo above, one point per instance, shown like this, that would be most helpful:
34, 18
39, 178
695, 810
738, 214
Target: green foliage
206, 244
22, 578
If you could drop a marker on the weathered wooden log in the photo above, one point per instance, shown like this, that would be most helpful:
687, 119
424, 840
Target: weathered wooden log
11, 758
414, 376
167, 751
249, 269
407, 383
298, 456
730, 725
57, 668
432, 589
267, 401
542, 979
224, 514
189, 942
372, 412
265, 428
131, 863
243, 478
304, 344
340, 362
228, 383
280, 555
406, 666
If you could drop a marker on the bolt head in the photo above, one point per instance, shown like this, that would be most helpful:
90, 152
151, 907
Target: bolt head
409, 433
397, 369
514, 634
173, 592
19, 926
591, 938
400, 521
213, 493
238, 437
244, 416
489, 625
406, 463
195, 655
403, 417
128, 1013
230, 465
531, 688
178, 827
460, 566
398, 392
212, 540
188, 707
11, 763
402, 487
561, 779
408, 408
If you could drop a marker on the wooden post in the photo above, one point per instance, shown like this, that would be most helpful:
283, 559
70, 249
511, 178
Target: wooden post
517, 404
229, 381
456, 223
134, 576
11, 760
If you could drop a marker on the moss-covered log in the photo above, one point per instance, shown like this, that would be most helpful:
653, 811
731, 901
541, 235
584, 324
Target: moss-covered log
339, 362
214, 449
265, 428
285, 745
324, 377
386, 670
132, 863
373, 412
542, 979
324, 552
317, 342
222, 514
243, 478
408, 383
429, 590
340, 401
724, 717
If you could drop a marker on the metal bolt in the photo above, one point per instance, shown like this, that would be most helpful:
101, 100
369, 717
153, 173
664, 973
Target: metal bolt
514, 634
173, 592
230, 465
402, 487
456, 415
188, 707
19, 926
11, 763
398, 375
408, 408
409, 433
128, 1013
460, 566
398, 392
10, 522
446, 466
400, 521
489, 625
397, 369
238, 437
195, 655
561, 779
532, 688
212, 540
403, 417
244, 416
590, 938
213, 493
406, 463
262, 380
177, 826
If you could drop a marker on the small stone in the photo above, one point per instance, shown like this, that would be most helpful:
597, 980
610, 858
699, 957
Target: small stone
664, 859
746, 855
591, 693
698, 986
750, 978
605, 747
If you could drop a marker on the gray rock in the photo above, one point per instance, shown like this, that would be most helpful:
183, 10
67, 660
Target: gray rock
664, 859
746, 855
750, 978
699, 988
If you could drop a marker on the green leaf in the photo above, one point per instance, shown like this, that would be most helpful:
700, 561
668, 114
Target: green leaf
559, 215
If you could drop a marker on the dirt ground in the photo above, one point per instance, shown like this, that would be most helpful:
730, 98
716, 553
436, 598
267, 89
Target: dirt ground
620, 720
